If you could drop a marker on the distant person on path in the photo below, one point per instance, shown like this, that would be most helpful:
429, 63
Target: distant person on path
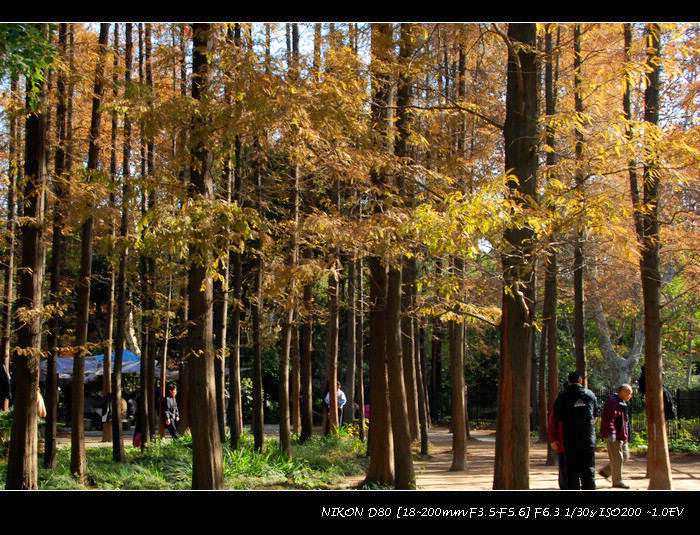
341, 402
171, 415
615, 429
577, 411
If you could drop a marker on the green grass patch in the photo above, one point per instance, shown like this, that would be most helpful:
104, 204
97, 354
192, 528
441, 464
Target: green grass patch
319, 463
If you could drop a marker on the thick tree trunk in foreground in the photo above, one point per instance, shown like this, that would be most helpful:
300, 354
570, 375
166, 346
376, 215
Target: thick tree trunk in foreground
207, 467
520, 133
659, 465
22, 456
405, 477
380, 444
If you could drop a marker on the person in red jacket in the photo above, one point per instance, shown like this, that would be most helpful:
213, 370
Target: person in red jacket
615, 429
555, 434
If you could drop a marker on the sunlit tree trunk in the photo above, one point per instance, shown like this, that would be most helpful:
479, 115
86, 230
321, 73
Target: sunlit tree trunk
78, 460
121, 286
520, 134
380, 444
207, 463
8, 284
659, 467
549, 305
579, 261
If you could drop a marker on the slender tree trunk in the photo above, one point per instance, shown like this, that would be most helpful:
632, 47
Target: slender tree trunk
351, 342
458, 409
22, 456
422, 394
549, 305
579, 261
436, 369
306, 341
549, 314
78, 460
520, 132
107, 366
408, 340
332, 346
360, 347
258, 395
58, 252
13, 176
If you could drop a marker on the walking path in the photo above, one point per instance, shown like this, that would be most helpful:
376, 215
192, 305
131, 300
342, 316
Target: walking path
433, 471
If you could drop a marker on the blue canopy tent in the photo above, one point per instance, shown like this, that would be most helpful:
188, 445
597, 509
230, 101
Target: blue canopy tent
94, 365
130, 364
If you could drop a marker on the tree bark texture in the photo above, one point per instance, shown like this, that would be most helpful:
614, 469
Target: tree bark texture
207, 467
520, 134
22, 456
659, 466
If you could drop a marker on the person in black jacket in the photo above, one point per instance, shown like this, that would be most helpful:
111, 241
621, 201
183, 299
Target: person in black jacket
171, 415
576, 408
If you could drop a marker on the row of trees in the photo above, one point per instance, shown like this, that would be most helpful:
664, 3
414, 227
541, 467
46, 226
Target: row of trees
346, 198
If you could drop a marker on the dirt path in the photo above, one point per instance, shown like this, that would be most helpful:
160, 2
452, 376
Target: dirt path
432, 472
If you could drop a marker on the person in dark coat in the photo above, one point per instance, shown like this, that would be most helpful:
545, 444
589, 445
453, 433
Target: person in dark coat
669, 407
576, 409
171, 415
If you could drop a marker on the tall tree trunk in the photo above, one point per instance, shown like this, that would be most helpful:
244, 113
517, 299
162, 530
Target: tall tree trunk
458, 409
360, 346
107, 366
404, 152
289, 309
147, 262
58, 250
380, 446
405, 477
257, 312
436, 369
520, 133
332, 344
549, 314
422, 393
121, 287
305, 347
549, 305
351, 341
207, 464
78, 461
579, 261
8, 286
659, 466
22, 456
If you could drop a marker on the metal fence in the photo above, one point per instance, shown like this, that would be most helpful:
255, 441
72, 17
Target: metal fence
482, 408
687, 404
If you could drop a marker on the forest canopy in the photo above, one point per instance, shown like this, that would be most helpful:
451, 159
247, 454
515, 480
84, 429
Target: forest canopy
273, 208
